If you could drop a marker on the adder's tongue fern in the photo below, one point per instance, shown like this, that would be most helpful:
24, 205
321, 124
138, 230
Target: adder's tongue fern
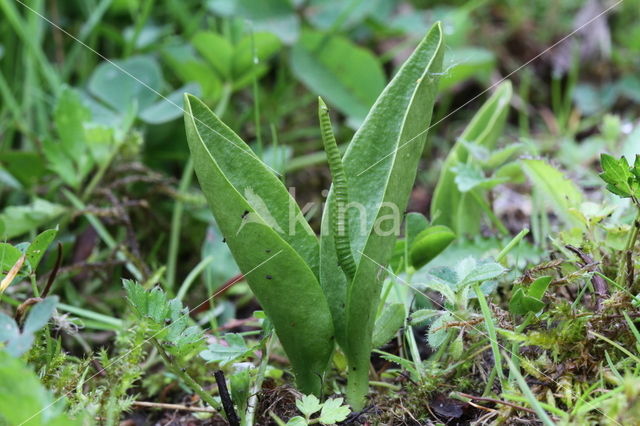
339, 220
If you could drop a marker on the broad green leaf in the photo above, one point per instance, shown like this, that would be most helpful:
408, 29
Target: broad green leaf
448, 203
308, 405
185, 63
217, 50
352, 86
275, 16
39, 246
168, 109
265, 46
19, 220
70, 115
338, 15
463, 63
9, 255
380, 164
273, 245
27, 167
119, 89
40, 314
562, 193
415, 223
388, 324
333, 411
539, 286
430, 243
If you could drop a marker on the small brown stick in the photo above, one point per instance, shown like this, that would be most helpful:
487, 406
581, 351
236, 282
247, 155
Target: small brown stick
227, 403
54, 272
23, 307
180, 407
599, 285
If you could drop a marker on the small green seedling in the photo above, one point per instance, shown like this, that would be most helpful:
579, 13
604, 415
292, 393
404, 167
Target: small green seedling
456, 288
621, 179
331, 411
528, 300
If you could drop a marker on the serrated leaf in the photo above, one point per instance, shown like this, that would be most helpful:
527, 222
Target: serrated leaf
333, 411
422, 315
442, 288
40, 314
157, 305
308, 405
224, 354
619, 176
481, 273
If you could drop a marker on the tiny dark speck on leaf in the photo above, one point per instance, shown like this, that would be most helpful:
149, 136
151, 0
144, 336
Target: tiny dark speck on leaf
246, 212
267, 251
224, 240
268, 277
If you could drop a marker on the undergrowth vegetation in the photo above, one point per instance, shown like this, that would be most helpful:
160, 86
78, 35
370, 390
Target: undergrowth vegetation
404, 212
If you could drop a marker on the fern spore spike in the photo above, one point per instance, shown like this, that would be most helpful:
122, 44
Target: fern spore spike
339, 220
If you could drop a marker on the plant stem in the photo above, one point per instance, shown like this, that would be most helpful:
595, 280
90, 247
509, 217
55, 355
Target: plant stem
491, 331
185, 377
511, 244
252, 404
629, 246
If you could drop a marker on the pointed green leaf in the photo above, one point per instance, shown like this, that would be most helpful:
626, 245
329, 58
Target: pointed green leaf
380, 164
483, 130
39, 246
562, 193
